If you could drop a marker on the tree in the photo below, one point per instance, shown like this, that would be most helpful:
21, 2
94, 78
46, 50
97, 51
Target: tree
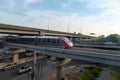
101, 39
113, 38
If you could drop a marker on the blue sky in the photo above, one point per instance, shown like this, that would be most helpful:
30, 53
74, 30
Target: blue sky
85, 16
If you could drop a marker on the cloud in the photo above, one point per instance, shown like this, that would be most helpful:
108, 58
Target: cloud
31, 1
67, 4
8, 5
108, 6
27, 3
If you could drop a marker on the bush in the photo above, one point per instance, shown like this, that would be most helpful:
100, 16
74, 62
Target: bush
115, 74
91, 73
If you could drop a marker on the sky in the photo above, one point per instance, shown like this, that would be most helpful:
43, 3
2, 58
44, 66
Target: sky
81, 16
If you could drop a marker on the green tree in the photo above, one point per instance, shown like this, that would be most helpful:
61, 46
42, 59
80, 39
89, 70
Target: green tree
101, 39
113, 38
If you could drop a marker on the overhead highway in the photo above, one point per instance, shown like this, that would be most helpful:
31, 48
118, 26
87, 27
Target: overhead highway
22, 30
108, 58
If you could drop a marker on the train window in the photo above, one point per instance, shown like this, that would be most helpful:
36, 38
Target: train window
53, 41
39, 40
66, 39
25, 39
28, 39
21, 39
32, 39
43, 40
48, 40
58, 41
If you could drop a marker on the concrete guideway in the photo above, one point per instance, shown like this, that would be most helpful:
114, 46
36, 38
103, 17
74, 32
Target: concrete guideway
98, 46
97, 57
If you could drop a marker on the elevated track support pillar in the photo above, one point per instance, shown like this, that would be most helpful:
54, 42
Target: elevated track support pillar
15, 57
16, 54
60, 67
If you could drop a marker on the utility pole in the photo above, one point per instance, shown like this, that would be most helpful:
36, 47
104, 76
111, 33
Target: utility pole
60, 70
34, 67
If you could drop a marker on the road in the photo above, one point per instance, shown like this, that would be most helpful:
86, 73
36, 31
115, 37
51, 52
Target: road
12, 74
8, 75
44, 71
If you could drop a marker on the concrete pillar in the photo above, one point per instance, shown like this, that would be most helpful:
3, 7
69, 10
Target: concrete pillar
15, 57
60, 67
60, 71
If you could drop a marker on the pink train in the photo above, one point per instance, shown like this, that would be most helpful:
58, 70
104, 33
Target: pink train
52, 41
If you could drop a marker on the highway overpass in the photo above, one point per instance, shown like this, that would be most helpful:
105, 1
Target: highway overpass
21, 30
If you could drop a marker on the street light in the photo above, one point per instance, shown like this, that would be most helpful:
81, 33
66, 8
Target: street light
48, 24
68, 27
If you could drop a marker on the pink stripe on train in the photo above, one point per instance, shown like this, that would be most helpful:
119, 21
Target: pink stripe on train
64, 43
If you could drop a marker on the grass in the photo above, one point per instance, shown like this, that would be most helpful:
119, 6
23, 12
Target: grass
91, 73
115, 74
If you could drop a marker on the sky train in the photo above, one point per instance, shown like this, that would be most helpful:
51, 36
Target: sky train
53, 41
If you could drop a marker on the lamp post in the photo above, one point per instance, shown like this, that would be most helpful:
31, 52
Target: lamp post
48, 24
68, 27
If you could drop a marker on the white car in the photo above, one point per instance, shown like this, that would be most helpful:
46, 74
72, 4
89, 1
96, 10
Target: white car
24, 69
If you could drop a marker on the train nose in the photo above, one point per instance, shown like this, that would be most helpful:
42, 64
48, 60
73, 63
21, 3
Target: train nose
71, 44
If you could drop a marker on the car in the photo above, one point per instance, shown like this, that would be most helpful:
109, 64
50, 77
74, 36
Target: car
9, 66
24, 69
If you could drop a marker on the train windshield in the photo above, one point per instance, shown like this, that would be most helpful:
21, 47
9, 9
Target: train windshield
66, 39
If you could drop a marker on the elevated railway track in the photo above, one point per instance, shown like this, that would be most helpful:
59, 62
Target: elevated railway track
109, 47
108, 51
106, 57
